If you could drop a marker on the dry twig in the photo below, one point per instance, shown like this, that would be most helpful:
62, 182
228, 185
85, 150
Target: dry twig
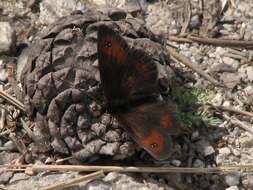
222, 42
238, 54
213, 41
230, 109
12, 100
65, 184
238, 123
179, 39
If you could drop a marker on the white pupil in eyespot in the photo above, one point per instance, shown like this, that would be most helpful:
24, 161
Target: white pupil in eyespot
153, 145
108, 44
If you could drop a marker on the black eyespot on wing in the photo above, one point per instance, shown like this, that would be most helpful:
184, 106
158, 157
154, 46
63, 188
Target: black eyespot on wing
107, 44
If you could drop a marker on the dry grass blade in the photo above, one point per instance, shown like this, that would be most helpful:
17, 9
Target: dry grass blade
179, 39
12, 100
63, 160
65, 184
184, 60
83, 168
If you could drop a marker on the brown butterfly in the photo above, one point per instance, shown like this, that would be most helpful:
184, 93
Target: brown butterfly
130, 83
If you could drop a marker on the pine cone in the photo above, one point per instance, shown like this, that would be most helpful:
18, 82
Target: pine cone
61, 84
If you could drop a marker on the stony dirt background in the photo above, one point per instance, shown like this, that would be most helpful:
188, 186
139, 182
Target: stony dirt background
221, 139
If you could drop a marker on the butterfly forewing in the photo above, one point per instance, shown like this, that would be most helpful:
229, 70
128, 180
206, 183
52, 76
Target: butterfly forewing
124, 72
140, 77
112, 56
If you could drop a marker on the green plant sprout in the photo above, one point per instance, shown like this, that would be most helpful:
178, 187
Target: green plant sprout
191, 103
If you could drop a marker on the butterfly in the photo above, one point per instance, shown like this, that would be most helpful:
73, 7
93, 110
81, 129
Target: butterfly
129, 81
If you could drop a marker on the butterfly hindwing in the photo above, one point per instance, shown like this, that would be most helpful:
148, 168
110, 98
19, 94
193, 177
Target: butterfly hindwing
151, 126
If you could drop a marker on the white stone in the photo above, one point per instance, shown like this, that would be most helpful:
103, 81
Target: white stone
7, 37
232, 179
111, 176
249, 90
220, 51
195, 135
3, 75
225, 151
232, 188
204, 147
249, 72
228, 60
218, 99
109, 148
226, 103
176, 163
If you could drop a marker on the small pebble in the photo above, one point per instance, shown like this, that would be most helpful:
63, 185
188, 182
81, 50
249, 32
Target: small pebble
7, 38
249, 90
232, 188
195, 136
232, 179
249, 72
218, 99
228, 60
204, 147
198, 164
225, 151
176, 163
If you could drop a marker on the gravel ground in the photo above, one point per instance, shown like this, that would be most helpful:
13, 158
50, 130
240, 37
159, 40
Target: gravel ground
221, 139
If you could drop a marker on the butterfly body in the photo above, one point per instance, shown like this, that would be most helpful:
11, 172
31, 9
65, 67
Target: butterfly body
129, 79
